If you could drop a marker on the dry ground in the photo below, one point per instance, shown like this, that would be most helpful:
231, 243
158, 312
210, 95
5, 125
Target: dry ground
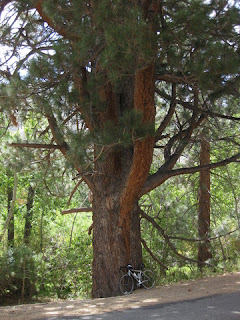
226, 283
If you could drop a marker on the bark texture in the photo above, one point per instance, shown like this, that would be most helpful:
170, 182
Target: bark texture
143, 149
117, 184
109, 245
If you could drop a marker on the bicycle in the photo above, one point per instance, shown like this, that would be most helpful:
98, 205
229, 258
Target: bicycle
144, 278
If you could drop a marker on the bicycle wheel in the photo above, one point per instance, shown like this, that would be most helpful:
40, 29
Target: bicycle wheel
148, 279
126, 284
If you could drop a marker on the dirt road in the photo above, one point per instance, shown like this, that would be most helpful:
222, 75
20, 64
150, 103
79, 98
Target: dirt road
227, 283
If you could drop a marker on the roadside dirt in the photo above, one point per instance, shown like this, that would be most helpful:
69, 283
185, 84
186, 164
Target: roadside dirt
226, 283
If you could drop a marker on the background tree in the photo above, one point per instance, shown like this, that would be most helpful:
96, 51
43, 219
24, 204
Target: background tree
92, 70
10, 199
29, 214
204, 202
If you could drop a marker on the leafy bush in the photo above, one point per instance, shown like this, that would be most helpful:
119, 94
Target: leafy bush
66, 271
18, 272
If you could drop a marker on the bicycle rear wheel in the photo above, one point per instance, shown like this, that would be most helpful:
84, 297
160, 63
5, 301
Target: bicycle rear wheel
148, 279
126, 284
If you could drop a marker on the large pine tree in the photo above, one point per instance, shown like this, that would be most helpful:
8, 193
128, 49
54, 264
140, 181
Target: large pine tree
116, 79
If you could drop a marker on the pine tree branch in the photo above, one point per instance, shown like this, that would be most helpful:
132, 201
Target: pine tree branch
167, 239
153, 255
35, 145
191, 106
161, 175
210, 166
169, 115
63, 31
183, 138
3, 4
29, 54
74, 190
171, 78
206, 239
74, 210
64, 122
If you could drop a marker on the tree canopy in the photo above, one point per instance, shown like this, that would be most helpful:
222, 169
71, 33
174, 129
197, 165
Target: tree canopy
113, 83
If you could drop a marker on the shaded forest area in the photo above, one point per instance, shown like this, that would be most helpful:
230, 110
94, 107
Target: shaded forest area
48, 254
119, 130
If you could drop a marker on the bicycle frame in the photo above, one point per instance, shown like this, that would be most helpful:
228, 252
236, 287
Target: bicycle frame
137, 275
142, 277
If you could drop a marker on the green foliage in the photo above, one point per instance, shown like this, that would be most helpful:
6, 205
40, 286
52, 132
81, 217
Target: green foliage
66, 271
175, 208
57, 261
18, 271
130, 129
196, 43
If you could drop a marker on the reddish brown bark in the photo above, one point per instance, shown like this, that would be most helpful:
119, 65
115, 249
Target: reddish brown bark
121, 175
143, 149
62, 30
109, 247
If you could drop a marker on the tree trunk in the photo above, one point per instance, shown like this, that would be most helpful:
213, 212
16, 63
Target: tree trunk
29, 214
11, 222
11, 209
109, 250
204, 203
119, 177
109, 245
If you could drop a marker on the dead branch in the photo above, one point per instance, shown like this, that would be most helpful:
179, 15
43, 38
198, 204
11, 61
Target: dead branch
35, 145
169, 115
207, 166
74, 190
90, 229
190, 106
206, 239
171, 78
161, 175
167, 239
74, 210
60, 29
153, 255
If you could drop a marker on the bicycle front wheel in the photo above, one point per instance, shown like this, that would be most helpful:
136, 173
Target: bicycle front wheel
126, 284
148, 279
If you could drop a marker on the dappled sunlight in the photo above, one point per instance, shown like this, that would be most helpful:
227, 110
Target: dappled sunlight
150, 300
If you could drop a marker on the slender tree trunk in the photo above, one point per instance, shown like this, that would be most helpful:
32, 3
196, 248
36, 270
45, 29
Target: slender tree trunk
204, 203
11, 221
29, 215
10, 212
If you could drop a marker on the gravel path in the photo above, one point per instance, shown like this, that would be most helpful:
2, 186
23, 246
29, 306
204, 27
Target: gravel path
227, 283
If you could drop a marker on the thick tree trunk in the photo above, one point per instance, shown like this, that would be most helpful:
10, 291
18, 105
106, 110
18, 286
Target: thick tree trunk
204, 204
109, 250
109, 246
118, 181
